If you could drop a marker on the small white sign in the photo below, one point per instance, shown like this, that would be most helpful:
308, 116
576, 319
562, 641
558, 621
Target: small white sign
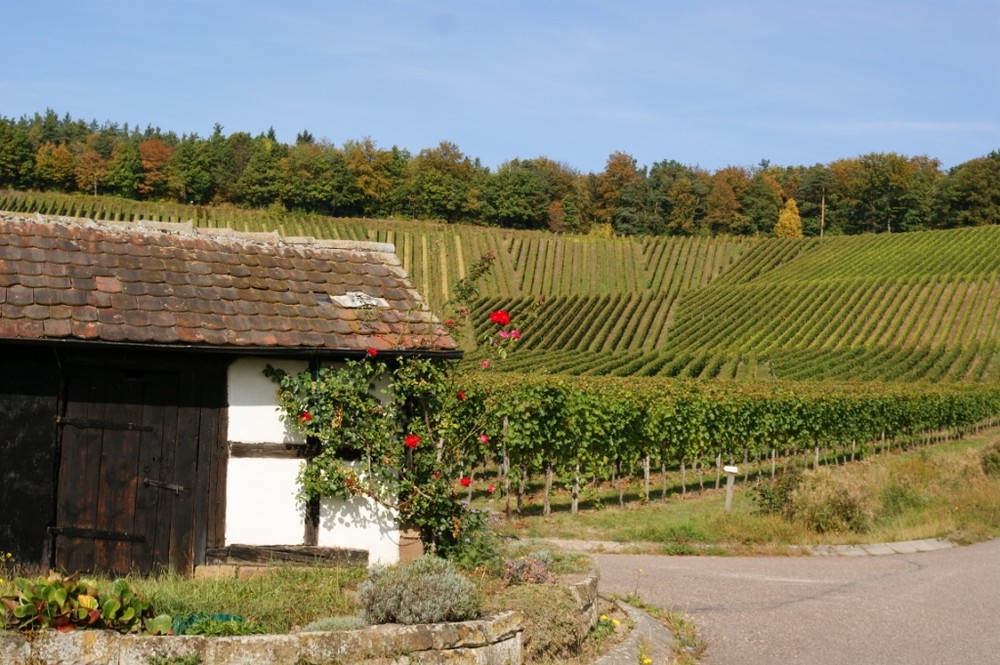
359, 300
731, 469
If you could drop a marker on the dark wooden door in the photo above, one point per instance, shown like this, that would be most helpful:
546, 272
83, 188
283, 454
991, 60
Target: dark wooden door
135, 466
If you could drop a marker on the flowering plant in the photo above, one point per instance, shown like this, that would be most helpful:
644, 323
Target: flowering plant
398, 431
7, 563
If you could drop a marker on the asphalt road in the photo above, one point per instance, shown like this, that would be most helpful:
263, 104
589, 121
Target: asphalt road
931, 607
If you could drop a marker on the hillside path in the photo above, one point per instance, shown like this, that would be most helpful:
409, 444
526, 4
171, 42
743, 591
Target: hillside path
926, 607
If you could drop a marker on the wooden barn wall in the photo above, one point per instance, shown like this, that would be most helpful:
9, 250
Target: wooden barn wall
32, 381
29, 390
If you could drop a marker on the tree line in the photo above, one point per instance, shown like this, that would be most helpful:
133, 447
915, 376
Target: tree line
876, 192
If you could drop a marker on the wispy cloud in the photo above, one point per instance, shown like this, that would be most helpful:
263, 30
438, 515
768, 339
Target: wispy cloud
918, 126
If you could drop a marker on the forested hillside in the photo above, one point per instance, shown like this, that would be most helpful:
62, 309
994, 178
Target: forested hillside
915, 306
876, 192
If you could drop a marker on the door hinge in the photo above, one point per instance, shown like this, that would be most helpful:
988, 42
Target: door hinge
93, 423
176, 489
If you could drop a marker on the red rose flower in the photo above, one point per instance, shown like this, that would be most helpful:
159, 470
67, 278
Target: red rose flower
500, 317
412, 440
465, 482
484, 439
437, 474
491, 489
372, 352
305, 417
461, 395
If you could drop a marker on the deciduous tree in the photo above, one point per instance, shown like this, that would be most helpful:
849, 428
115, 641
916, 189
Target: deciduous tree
789, 224
155, 157
725, 214
970, 194
124, 170
621, 170
55, 167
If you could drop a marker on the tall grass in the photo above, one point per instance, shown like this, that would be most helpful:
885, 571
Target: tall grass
273, 601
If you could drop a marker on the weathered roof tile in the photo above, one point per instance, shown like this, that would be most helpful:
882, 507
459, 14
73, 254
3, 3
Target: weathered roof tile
124, 283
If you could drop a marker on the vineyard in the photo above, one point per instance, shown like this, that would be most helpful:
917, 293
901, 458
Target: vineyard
833, 349
577, 431
906, 307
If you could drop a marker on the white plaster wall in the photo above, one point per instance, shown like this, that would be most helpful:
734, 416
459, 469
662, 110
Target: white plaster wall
359, 524
260, 502
261, 508
254, 416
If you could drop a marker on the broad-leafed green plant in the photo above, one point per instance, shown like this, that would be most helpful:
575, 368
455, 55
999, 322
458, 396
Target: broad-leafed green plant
70, 603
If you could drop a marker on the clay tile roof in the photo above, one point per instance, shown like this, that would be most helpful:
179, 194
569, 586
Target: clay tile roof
85, 280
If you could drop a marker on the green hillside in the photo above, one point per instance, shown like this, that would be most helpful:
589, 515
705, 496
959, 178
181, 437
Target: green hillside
916, 306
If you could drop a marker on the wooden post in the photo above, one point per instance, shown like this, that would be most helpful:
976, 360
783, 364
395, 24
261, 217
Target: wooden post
731, 472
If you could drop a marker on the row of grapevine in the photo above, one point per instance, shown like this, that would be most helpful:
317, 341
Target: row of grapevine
893, 257
593, 429
837, 314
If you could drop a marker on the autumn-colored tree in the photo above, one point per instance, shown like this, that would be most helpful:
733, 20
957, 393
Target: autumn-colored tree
90, 170
55, 167
789, 224
154, 154
371, 169
621, 171
725, 214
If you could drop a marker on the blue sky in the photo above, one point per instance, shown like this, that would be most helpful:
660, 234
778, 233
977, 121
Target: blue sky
707, 83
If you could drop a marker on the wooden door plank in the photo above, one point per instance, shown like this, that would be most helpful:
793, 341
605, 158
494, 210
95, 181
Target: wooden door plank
182, 520
118, 478
160, 393
79, 466
208, 493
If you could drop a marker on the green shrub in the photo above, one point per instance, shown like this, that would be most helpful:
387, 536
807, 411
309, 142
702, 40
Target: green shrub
990, 460
828, 501
773, 497
475, 546
425, 590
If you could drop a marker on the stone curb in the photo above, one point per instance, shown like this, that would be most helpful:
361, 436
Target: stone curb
657, 640
881, 549
867, 549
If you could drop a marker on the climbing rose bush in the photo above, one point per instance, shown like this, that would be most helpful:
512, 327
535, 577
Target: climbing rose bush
400, 432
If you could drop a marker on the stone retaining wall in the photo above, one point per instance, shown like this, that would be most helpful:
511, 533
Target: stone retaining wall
492, 640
